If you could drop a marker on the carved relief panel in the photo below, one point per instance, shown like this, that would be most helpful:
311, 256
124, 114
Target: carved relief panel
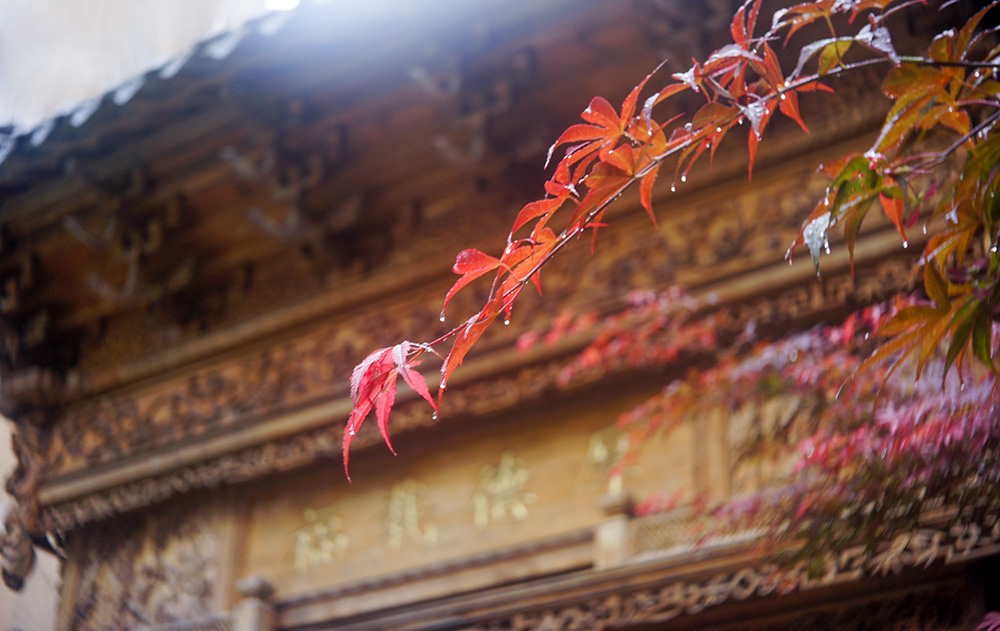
162, 566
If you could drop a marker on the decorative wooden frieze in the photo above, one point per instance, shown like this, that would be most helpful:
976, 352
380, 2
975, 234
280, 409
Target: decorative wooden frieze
693, 249
280, 453
669, 600
209, 623
939, 608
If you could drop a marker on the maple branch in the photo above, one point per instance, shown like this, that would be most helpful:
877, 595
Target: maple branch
611, 151
937, 158
924, 61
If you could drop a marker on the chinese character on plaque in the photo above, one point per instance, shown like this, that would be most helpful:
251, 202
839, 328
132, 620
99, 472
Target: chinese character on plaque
320, 540
403, 519
500, 496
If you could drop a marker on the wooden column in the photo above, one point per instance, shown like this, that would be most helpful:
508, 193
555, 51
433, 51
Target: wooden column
611, 540
254, 611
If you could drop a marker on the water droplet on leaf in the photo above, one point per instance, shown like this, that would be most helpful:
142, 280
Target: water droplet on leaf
673, 189
906, 244
506, 322
814, 236
434, 416
684, 178
442, 317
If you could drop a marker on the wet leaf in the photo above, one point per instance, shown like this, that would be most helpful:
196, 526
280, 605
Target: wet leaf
471, 264
537, 209
789, 104
832, 55
893, 209
982, 339
646, 192
814, 236
936, 287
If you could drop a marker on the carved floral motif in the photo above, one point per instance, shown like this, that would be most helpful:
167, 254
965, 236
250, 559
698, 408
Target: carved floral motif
145, 572
675, 598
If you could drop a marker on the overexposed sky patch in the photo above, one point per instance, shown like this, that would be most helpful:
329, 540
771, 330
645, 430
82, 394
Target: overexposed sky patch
57, 54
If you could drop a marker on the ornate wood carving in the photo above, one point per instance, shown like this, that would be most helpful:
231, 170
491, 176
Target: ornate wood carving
679, 31
21, 521
665, 602
939, 608
210, 623
149, 570
740, 235
475, 98
284, 377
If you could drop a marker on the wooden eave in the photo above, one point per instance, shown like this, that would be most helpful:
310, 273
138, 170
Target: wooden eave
253, 294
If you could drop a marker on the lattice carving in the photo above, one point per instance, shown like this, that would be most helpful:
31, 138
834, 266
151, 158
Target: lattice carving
666, 602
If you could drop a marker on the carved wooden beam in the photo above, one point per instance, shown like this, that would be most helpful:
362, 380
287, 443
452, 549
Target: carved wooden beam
488, 383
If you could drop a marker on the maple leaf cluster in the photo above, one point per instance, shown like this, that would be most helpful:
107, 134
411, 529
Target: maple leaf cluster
857, 456
951, 89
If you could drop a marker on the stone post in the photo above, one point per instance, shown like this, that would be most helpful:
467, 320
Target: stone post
611, 540
254, 611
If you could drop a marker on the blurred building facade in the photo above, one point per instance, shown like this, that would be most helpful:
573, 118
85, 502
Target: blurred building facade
191, 271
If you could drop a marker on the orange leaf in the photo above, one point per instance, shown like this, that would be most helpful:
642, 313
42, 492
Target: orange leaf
466, 338
893, 209
752, 143
601, 112
579, 133
471, 264
789, 104
713, 115
646, 192
536, 209
665, 93
628, 106
621, 158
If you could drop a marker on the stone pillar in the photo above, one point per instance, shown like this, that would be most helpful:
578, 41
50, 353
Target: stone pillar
254, 611
611, 540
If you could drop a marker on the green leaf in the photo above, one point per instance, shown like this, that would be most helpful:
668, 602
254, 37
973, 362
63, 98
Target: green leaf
852, 227
962, 321
935, 286
982, 339
831, 55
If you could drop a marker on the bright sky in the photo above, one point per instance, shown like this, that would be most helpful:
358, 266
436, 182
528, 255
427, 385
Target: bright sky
56, 54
